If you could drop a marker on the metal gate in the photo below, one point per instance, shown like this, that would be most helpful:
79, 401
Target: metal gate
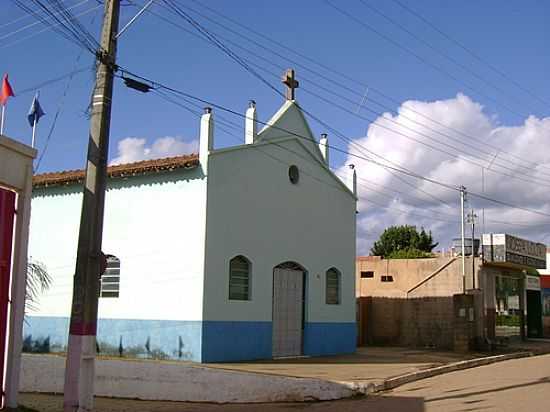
288, 306
7, 213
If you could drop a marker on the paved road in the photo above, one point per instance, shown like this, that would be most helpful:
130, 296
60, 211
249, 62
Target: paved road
516, 385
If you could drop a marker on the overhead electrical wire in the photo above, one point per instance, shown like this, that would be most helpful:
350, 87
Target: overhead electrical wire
247, 50
312, 116
273, 143
239, 128
362, 148
448, 186
61, 103
49, 82
76, 28
49, 27
28, 26
67, 26
447, 56
424, 60
471, 52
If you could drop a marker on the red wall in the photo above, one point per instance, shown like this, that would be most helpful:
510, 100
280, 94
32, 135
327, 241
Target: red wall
7, 213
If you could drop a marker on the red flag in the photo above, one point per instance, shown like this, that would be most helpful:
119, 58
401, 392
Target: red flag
6, 91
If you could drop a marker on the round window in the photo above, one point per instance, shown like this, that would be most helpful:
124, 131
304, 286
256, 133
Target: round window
293, 174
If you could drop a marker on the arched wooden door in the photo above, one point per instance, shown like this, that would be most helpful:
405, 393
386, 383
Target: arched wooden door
288, 310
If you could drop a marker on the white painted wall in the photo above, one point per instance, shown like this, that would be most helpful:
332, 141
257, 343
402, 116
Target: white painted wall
16, 165
547, 270
180, 381
254, 210
154, 224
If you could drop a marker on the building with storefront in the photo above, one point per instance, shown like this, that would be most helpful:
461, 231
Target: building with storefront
503, 281
545, 291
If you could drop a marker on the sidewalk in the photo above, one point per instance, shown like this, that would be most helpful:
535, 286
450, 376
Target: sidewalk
369, 364
282, 380
537, 346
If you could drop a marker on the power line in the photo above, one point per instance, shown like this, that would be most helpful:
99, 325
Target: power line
422, 59
61, 102
28, 26
471, 52
233, 125
435, 49
431, 146
448, 186
247, 50
49, 82
69, 28
49, 27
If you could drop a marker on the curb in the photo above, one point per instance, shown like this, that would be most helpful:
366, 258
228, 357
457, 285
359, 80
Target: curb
392, 383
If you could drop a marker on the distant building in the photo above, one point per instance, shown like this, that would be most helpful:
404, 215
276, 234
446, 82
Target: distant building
508, 295
240, 253
545, 288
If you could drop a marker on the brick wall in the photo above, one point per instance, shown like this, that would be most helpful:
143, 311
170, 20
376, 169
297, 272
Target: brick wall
416, 322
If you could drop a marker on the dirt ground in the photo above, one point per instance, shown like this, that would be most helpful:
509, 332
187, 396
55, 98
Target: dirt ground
54, 403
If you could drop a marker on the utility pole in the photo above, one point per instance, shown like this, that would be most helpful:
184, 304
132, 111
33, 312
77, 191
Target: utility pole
81, 351
462, 199
483, 192
472, 219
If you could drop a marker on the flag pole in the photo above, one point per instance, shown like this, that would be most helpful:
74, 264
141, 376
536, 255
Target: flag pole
2, 123
33, 131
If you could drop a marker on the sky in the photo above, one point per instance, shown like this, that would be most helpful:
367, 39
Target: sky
390, 81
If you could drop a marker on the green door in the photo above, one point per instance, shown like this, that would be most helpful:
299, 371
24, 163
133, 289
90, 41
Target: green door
534, 314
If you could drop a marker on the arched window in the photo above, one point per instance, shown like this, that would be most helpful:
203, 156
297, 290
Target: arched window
239, 278
110, 281
333, 279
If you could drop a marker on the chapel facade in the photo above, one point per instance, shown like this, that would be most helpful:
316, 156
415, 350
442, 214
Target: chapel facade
239, 253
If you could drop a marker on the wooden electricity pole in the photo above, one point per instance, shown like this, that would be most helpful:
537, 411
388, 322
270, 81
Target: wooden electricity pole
79, 371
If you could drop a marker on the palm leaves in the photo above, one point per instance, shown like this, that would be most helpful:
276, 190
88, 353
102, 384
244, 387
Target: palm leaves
38, 281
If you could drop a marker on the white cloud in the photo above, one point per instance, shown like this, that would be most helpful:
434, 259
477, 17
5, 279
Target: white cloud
523, 154
133, 149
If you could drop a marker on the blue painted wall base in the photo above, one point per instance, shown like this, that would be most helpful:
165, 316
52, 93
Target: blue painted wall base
235, 341
328, 338
199, 341
140, 338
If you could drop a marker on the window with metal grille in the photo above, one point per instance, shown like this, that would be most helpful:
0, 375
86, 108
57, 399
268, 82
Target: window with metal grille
110, 281
367, 274
333, 287
239, 278
387, 278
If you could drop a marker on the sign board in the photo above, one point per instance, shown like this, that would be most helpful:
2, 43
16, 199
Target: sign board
504, 248
513, 302
532, 283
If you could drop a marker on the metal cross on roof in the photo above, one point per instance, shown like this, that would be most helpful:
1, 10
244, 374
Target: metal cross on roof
291, 84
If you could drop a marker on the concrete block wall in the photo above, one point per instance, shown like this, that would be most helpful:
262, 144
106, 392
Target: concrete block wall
411, 322
427, 321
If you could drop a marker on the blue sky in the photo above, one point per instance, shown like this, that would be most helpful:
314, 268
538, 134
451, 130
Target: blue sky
510, 35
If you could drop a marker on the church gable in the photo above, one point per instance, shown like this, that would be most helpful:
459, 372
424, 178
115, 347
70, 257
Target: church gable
289, 121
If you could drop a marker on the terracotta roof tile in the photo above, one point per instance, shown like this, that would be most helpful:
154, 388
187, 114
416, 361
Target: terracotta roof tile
368, 258
128, 169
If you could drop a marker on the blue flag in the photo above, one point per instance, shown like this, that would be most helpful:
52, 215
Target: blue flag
35, 112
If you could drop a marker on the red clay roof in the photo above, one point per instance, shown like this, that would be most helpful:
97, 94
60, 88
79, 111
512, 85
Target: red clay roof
368, 258
128, 169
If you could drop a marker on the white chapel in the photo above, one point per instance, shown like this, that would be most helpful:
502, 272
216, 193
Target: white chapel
240, 253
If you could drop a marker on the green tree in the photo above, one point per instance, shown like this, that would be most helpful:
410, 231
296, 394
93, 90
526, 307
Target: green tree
404, 242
